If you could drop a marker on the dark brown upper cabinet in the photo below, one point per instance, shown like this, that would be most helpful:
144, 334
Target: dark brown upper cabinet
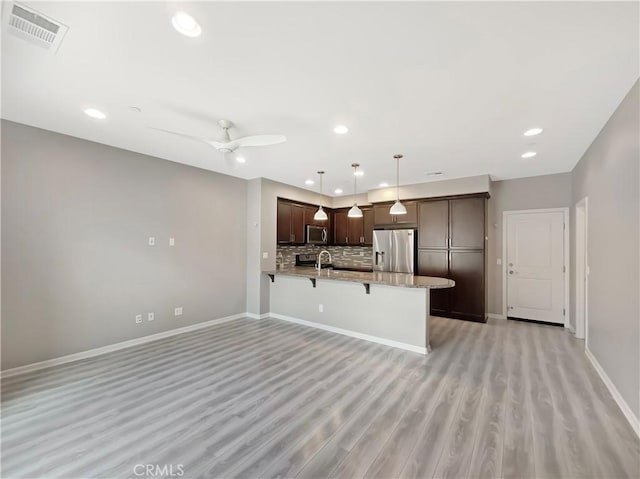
467, 220
353, 231
284, 222
433, 221
290, 222
340, 230
381, 216
367, 226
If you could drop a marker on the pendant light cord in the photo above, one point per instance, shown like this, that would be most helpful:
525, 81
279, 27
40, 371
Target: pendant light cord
397, 179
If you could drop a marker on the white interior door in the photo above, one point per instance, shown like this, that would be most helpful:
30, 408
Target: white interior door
536, 266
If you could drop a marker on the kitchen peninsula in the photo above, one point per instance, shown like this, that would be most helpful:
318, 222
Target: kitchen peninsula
388, 308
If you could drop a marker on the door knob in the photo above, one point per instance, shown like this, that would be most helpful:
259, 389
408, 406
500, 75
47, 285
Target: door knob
511, 272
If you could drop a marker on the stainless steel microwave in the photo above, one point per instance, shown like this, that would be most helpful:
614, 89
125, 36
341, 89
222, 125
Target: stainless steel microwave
317, 234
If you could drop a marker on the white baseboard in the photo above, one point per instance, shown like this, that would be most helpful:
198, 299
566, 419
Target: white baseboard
257, 316
117, 346
622, 404
495, 316
353, 334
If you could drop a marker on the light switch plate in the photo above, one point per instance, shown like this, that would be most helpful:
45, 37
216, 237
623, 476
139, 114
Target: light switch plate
152, 241
151, 316
172, 241
265, 255
178, 311
498, 261
138, 318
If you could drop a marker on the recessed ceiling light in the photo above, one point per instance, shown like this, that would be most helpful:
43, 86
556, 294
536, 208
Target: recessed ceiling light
241, 159
529, 154
358, 173
533, 132
186, 24
94, 113
338, 191
383, 185
341, 129
308, 182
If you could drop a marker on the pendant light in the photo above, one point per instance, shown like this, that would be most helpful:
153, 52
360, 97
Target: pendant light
321, 215
398, 208
355, 212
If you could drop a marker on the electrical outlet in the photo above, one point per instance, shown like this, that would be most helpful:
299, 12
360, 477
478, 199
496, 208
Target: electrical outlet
152, 241
151, 316
172, 241
138, 318
321, 308
177, 311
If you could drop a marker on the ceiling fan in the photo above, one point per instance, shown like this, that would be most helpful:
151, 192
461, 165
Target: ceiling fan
228, 146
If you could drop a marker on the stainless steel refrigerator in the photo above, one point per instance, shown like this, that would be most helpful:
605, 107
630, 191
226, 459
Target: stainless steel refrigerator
394, 250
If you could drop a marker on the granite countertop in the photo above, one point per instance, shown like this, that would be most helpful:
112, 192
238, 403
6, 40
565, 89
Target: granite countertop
403, 280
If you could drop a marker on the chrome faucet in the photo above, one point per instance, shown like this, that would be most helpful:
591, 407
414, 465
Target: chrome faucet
319, 263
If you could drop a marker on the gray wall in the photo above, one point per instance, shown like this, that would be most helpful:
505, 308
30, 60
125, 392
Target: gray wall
537, 192
608, 174
76, 267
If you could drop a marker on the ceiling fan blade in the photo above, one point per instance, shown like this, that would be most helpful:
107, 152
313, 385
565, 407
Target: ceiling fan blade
213, 143
259, 140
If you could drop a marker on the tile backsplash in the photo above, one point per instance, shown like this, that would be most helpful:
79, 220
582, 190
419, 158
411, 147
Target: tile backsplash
341, 256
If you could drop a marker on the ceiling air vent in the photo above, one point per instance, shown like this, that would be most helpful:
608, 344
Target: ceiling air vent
26, 23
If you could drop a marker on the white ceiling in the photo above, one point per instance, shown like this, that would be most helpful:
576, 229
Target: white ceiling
452, 86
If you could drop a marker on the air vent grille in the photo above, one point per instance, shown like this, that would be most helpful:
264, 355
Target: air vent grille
35, 27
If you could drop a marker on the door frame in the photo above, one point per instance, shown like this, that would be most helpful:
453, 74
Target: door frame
582, 248
566, 253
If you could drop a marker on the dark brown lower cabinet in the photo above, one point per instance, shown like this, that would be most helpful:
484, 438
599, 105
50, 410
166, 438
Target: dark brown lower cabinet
466, 268
435, 263
466, 299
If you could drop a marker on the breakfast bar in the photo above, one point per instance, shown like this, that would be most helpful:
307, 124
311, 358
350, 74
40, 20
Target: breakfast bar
383, 307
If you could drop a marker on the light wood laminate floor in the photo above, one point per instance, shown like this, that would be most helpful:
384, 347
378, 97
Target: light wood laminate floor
268, 398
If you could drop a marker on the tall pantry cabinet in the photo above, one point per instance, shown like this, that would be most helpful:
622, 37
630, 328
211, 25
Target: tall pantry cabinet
452, 244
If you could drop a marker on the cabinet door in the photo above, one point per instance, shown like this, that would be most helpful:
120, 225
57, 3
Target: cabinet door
355, 230
381, 216
435, 263
466, 268
466, 220
309, 211
411, 218
297, 224
433, 224
284, 222
340, 228
367, 221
